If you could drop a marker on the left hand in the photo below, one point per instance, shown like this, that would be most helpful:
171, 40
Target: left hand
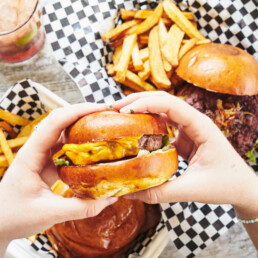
28, 205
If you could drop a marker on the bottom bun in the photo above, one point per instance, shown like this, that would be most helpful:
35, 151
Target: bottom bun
120, 177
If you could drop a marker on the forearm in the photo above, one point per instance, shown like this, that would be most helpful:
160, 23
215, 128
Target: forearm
248, 211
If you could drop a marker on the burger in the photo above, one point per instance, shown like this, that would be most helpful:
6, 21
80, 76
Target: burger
222, 82
109, 234
113, 154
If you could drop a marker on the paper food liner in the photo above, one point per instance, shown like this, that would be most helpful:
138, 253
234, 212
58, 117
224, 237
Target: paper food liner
74, 29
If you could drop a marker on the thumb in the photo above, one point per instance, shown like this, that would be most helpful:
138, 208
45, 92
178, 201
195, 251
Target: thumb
176, 190
65, 209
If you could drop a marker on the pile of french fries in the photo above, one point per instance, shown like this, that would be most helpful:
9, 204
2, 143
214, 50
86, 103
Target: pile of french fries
10, 141
149, 45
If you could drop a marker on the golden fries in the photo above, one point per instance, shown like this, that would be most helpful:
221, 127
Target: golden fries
127, 49
14, 143
5, 147
176, 16
137, 80
2, 171
156, 65
118, 30
150, 21
4, 125
12, 118
186, 47
137, 61
9, 147
144, 14
145, 73
173, 43
149, 45
162, 39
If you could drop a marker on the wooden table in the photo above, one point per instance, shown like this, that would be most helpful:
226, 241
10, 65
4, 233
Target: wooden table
44, 69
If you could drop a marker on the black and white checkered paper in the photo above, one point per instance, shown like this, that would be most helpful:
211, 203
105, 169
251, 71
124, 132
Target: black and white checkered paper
74, 29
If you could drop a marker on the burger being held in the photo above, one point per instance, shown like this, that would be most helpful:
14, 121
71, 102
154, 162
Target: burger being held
113, 154
222, 82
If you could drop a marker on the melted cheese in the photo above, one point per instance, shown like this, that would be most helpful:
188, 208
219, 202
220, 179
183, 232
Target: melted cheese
92, 152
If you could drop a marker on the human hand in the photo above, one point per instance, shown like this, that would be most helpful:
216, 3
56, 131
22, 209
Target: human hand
28, 205
216, 173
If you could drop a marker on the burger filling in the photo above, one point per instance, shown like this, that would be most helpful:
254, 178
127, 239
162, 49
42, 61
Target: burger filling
93, 152
236, 116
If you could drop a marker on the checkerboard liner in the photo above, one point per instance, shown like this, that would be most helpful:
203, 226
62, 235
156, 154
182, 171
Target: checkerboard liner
74, 29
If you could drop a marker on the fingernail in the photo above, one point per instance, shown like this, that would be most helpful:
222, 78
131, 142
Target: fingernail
112, 200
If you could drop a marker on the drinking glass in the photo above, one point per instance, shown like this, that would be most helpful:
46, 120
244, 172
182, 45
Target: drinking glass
21, 31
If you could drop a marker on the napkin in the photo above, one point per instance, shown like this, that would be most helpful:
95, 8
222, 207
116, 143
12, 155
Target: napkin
74, 29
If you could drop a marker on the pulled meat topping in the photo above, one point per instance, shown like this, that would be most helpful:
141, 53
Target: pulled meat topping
236, 116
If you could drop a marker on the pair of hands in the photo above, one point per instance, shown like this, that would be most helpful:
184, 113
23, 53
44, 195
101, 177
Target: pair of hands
216, 173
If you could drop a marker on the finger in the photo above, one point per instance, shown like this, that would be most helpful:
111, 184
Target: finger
196, 125
181, 189
64, 209
134, 96
37, 147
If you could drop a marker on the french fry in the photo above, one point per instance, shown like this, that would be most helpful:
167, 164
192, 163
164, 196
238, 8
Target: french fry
14, 143
111, 69
151, 21
118, 30
201, 42
130, 84
117, 54
144, 14
127, 49
143, 39
28, 129
144, 53
2, 171
138, 81
177, 16
4, 125
137, 61
12, 118
186, 47
145, 73
162, 39
5, 147
167, 21
127, 14
156, 64
173, 43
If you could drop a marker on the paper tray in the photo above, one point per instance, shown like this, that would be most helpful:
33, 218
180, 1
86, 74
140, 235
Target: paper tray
21, 248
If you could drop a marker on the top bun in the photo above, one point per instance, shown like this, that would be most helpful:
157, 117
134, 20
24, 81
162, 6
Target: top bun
220, 68
108, 125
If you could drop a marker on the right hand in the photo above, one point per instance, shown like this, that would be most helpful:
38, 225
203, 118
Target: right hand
216, 173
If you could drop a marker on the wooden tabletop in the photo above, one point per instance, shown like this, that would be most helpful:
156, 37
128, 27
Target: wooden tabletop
44, 69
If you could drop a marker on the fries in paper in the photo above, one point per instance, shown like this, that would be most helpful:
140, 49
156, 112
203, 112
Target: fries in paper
149, 46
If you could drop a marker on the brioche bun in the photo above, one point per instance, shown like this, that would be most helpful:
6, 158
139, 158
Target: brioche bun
220, 68
109, 234
127, 175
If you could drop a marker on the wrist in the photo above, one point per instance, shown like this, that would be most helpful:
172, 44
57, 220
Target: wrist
246, 207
